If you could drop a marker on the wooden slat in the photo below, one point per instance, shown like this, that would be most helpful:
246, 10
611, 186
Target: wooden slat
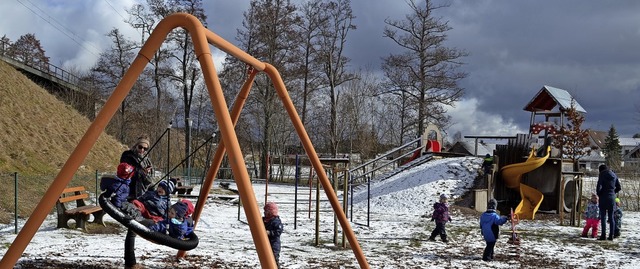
83, 209
73, 198
74, 189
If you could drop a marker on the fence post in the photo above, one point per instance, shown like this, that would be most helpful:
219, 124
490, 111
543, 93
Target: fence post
15, 202
96, 198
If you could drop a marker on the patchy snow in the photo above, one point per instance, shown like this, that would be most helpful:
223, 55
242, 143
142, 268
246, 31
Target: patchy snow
396, 238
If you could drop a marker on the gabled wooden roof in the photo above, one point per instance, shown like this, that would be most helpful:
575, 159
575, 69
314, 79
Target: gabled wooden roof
597, 138
549, 97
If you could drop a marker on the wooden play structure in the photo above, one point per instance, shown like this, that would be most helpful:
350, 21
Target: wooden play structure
202, 38
532, 176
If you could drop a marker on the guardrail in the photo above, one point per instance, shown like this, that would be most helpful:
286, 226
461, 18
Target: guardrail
45, 68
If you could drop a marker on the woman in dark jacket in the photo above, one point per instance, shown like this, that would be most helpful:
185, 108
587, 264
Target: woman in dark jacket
607, 187
136, 156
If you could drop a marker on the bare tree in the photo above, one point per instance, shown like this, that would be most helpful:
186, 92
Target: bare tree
426, 72
339, 17
270, 34
144, 18
111, 67
355, 107
312, 23
27, 50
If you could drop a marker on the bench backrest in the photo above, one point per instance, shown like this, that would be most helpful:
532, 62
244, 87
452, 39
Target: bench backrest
77, 194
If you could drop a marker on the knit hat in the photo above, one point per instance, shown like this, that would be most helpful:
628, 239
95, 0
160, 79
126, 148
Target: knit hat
125, 171
180, 208
168, 186
270, 209
190, 207
142, 140
443, 196
617, 200
493, 204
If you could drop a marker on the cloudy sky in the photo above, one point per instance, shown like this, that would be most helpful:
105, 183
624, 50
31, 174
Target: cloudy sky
589, 48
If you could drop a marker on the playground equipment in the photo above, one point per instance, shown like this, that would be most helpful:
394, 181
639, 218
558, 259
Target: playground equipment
432, 141
201, 38
530, 197
514, 239
433, 138
189, 243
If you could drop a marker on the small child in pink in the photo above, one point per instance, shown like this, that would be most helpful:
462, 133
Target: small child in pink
592, 215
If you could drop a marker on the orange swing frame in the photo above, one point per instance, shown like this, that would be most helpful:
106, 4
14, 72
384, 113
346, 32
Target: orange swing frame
201, 38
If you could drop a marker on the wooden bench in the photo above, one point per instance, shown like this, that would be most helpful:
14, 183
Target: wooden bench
80, 213
181, 188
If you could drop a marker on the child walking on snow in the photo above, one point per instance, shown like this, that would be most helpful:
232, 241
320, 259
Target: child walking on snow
490, 223
617, 216
441, 217
592, 215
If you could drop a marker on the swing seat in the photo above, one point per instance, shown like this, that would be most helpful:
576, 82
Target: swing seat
190, 242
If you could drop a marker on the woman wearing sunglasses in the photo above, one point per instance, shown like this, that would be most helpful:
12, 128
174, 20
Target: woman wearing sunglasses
137, 157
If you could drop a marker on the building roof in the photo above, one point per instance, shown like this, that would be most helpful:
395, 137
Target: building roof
594, 156
628, 141
632, 154
549, 97
470, 145
597, 137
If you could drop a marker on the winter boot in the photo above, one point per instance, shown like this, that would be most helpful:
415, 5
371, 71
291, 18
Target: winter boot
444, 239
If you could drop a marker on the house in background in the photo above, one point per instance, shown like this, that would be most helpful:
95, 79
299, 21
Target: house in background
630, 151
468, 148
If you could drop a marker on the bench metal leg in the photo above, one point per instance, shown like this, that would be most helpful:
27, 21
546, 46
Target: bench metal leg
81, 221
97, 218
63, 221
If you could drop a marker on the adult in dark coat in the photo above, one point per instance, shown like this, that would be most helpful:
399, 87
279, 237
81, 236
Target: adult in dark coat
136, 157
607, 188
141, 180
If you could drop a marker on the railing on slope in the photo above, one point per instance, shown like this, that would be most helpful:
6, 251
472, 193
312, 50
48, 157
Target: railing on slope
70, 88
44, 68
364, 173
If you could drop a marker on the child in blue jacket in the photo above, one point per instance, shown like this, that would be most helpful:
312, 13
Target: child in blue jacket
153, 204
441, 217
177, 223
489, 227
273, 225
617, 216
117, 189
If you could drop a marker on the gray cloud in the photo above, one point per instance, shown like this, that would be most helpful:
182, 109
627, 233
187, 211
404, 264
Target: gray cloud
588, 48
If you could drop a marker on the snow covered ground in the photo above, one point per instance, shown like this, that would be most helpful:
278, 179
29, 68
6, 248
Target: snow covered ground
396, 238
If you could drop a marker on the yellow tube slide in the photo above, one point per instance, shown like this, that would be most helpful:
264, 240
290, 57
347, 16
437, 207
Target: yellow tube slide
531, 198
